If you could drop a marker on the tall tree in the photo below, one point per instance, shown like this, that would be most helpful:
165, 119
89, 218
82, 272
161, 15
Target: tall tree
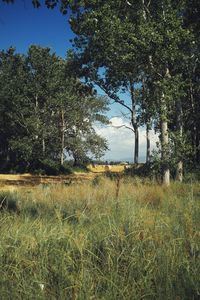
140, 40
112, 62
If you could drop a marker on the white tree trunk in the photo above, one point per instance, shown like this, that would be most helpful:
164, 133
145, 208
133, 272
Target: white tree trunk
164, 143
43, 147
179, 171
148, 143
179, 125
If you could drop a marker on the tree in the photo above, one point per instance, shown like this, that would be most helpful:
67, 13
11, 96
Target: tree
42, 67
112, 62
143, 40
14, 109
191, 75
45, 111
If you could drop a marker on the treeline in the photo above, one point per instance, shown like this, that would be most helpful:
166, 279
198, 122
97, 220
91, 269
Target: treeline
45, 113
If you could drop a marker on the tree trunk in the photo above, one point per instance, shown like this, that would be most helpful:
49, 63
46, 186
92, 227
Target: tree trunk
135, 125
164, 143
43, 146
179, 171
148, 143
75, 160
198, 146
164, 150
62, 138
179, 126
194, 129
36, 112
143, 11
147, 123
136, 151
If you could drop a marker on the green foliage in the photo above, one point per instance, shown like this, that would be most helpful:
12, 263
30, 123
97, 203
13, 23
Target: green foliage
45, 113
51, 167
148, 170
178, 149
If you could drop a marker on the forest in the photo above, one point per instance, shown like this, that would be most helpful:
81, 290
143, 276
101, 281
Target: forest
146, 49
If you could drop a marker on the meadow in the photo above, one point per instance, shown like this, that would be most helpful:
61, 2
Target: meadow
102, 239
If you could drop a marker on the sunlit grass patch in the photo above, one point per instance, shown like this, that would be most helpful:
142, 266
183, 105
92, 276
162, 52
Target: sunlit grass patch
105, 168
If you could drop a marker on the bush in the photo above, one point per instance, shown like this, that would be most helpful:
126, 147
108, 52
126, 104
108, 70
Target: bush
143, 170
50, 167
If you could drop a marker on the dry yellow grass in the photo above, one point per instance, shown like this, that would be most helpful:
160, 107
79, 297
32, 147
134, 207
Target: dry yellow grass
14, 176
104, 168
11, 181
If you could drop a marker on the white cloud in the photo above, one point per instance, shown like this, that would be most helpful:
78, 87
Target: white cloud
121, 140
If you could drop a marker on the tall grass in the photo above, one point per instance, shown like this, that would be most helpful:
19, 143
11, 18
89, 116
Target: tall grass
83, 242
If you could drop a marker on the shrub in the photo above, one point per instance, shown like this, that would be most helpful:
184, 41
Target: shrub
143, 170
50, 167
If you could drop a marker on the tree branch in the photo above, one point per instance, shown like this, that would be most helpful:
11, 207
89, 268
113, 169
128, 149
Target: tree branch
121, 126
113, 96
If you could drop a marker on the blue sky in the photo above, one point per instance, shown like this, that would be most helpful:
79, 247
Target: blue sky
22, 25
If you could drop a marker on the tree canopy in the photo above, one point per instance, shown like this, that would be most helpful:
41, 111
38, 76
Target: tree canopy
45, 112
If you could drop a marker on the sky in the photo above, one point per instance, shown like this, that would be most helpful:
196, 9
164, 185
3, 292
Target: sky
21, 26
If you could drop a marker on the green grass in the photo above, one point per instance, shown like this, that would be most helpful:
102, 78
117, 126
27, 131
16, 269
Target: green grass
80, 242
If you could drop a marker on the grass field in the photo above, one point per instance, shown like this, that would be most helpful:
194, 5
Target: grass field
102, 239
